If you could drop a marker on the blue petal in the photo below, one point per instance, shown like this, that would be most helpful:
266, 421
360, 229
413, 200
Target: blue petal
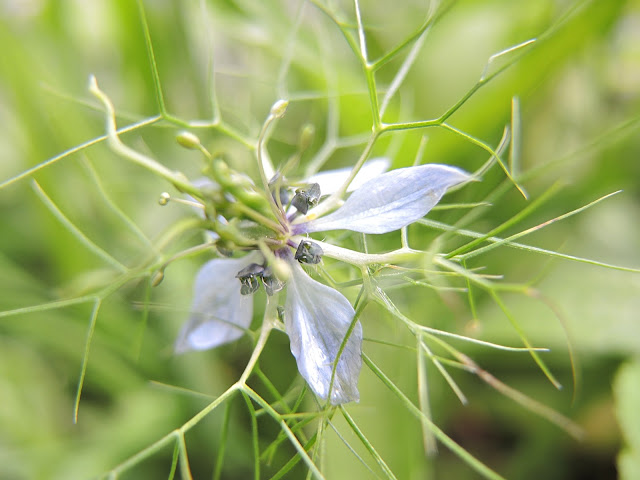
317, 319
219, 313
390, 201
331, 180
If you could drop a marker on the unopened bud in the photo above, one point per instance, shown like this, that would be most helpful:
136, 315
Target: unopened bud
221, 173
188, 140
164, 199
157, 278
306, 136
279, 108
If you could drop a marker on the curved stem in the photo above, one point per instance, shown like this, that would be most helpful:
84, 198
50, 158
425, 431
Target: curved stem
363, 259
277, 111
176, 178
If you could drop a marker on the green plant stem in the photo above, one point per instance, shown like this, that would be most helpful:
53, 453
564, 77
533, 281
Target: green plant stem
175, 178
336, 198
440, 435
75, 231
363, 259
521, 215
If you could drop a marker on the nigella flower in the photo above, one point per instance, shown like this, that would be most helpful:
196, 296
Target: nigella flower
318, 319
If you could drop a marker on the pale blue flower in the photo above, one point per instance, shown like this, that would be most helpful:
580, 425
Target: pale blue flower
219, 313
330, 180
317, 318
390, 201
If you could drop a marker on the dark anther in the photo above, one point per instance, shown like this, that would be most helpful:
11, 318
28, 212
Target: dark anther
308, 252
271, 282
250, 278
249, 285
305, 198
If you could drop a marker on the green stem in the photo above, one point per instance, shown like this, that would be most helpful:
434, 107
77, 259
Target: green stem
152, 60
528, 210
336, 197
363, 259
176, 178
439, 434
268, 323
258, 217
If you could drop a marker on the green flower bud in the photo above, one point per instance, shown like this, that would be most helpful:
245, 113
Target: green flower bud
188, 140
157, 278
164, 199
306, 136
279, 108
221, 173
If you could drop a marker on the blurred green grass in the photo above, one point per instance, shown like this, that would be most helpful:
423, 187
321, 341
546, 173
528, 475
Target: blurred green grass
579, 91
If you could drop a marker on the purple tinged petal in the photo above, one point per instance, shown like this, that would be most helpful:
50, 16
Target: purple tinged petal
390, 201
317, 319
219, 313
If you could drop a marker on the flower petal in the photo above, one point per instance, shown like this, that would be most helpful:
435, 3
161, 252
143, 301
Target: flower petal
219, 313
317, 319
331, 180
390, 201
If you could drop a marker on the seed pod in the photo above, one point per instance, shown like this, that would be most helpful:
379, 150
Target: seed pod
306, 137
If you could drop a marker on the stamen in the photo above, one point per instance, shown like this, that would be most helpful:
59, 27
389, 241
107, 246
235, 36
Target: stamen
308, 252
271, 283
250, 278
305, 198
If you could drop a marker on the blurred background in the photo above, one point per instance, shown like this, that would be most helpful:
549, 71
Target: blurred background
578, 90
